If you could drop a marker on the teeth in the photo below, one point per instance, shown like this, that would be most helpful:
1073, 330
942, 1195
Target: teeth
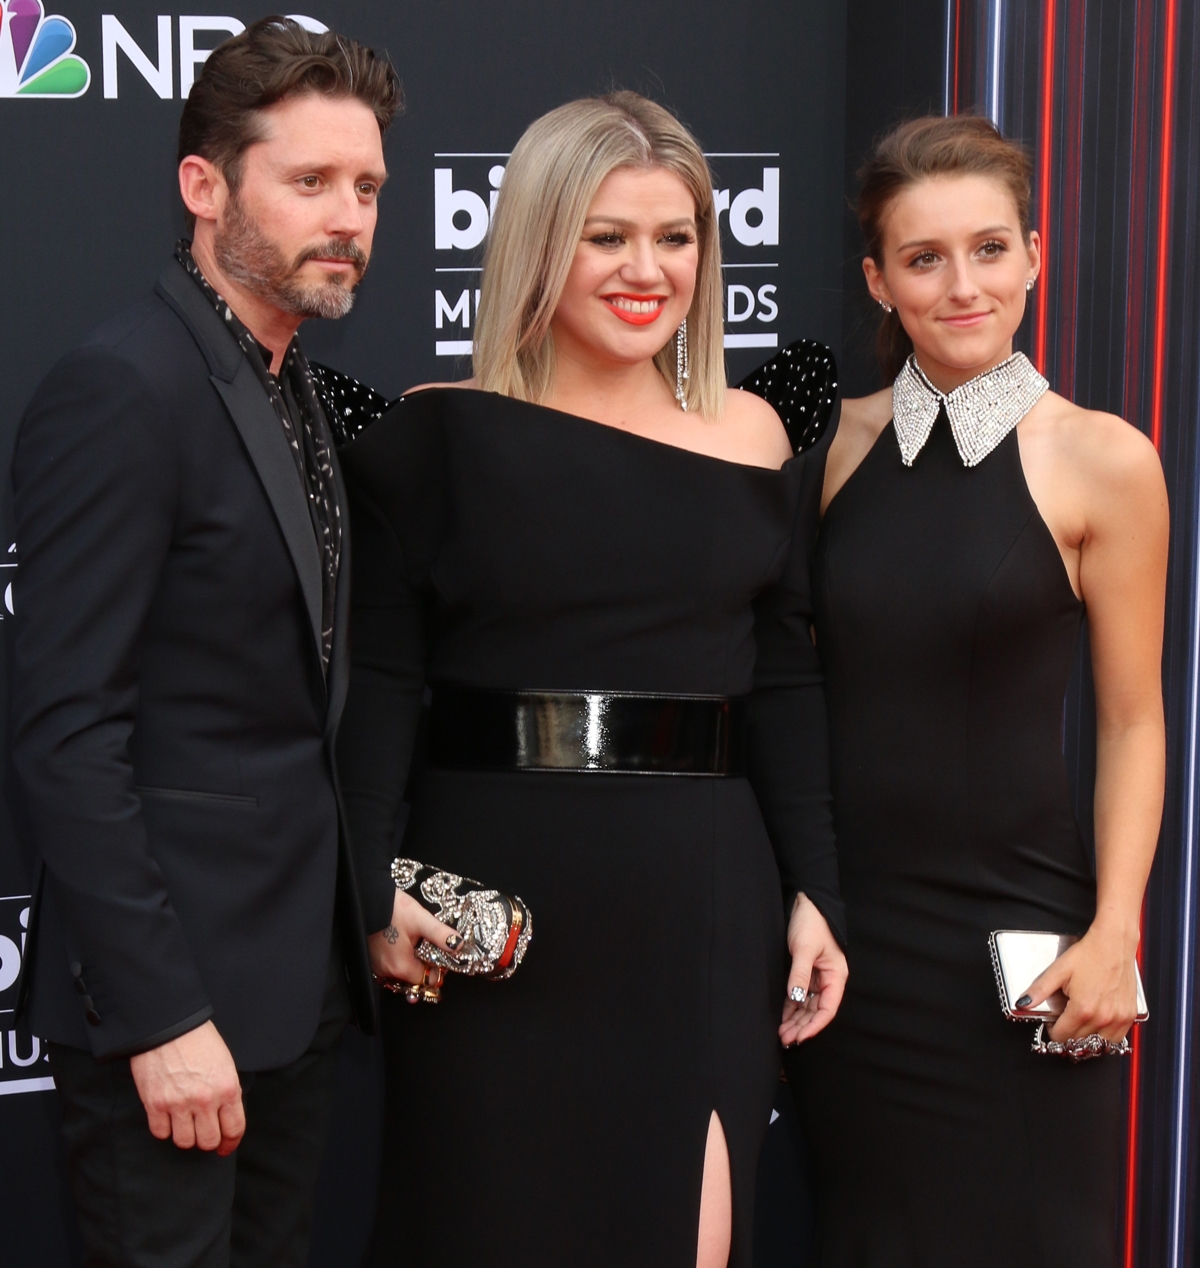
635, 305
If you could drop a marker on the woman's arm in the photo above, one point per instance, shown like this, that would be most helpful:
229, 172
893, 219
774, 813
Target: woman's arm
1122, 577
384, 470
789, 769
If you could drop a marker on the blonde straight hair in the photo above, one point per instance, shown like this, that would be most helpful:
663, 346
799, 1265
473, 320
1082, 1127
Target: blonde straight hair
550, 182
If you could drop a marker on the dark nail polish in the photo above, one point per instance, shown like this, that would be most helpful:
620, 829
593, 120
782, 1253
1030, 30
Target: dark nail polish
454, 941
1024, 1001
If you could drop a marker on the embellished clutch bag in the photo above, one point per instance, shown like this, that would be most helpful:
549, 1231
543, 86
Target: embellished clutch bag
1019, 958
495, 927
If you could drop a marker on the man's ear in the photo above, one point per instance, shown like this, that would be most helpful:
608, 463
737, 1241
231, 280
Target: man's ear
203, 188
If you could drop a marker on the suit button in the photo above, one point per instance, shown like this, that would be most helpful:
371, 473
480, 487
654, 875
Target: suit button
76, 969
81, 986
92, 1016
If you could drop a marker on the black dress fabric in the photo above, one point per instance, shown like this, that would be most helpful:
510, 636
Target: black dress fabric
946, 626
560, 1117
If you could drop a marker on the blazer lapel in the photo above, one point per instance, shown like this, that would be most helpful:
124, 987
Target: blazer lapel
254, 417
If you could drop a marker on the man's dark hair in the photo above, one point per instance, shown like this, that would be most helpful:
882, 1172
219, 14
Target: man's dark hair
273, 59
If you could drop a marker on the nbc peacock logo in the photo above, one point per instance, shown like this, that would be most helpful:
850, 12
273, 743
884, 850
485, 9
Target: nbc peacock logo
36, 58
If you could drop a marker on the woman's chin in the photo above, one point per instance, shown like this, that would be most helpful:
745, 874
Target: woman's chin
966, 350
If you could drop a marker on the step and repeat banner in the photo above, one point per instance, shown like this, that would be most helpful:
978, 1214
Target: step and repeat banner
90, 96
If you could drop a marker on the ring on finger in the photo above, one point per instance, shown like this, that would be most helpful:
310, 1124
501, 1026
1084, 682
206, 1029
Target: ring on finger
798, 995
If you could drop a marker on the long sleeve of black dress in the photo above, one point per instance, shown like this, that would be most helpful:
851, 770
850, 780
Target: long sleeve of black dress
398, 494
788, 722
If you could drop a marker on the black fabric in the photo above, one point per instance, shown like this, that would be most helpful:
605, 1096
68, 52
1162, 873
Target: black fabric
144, 1203
947, 626
350, 406
294, 397
801, 384
503, 545
172, 731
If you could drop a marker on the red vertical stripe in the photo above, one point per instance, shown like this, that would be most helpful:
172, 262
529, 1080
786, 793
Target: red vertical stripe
1131, 1143
1045, 167
1137, 292
1164, 227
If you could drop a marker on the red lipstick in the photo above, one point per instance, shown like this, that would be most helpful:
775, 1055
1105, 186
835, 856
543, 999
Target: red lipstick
635, 316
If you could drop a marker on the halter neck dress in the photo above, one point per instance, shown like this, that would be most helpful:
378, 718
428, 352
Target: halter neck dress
946, 625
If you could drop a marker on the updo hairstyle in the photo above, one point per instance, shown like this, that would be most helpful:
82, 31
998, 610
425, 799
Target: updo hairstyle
960, 145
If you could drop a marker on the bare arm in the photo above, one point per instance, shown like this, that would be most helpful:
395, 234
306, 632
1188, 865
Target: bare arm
1122, 577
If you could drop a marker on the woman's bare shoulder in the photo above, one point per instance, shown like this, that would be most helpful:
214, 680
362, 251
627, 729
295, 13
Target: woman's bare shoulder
426, 387
1099, 446
760, 431
867, 415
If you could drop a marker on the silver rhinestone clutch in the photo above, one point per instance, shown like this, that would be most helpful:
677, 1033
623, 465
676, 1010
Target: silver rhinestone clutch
1019, 957
496, 928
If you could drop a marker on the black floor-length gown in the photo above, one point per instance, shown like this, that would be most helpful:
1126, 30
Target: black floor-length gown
946, 625
560, 1117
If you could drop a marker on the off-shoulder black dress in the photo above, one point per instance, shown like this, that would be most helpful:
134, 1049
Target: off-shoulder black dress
560, 1117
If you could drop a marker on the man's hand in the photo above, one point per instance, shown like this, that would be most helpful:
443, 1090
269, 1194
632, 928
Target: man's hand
191, 1092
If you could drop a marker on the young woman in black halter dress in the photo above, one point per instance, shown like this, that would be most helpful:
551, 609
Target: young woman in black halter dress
594, 514
970, 518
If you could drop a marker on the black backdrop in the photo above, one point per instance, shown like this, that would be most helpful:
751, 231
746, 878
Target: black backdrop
91, 212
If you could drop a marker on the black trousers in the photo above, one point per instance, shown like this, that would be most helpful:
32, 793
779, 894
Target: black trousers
144, 1203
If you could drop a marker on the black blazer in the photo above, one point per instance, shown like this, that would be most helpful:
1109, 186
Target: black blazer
172, 733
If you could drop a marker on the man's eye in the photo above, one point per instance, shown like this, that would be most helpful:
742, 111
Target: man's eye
367, 191
310, 182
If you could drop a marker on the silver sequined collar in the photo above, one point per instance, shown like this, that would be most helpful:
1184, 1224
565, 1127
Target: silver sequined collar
982, 411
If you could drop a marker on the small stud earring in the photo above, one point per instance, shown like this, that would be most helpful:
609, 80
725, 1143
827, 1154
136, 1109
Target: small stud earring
887, 308
1029, 285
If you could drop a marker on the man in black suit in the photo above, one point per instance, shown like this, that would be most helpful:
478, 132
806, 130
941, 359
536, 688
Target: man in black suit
178, 673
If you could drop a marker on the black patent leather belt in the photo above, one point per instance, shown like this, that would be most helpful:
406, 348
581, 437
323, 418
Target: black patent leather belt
604, 731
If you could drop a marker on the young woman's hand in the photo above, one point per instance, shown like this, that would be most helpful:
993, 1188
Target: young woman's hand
1096, 975
819, 969
393, 957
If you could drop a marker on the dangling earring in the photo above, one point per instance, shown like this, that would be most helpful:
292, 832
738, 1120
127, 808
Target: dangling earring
681, 365
887, 308
1029, 285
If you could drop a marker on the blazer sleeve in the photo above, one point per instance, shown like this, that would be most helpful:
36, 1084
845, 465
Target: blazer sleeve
395, 487
788, 723
94, 478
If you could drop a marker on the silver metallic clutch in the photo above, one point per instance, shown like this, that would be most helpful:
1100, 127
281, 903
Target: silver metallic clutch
1019, 958
495, 927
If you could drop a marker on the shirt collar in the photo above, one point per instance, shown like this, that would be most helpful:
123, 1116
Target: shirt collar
241, 332
981, 411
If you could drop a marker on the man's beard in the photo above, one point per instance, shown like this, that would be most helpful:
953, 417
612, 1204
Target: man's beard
245, 254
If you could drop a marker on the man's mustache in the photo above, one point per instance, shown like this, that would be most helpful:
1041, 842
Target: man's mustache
336, 249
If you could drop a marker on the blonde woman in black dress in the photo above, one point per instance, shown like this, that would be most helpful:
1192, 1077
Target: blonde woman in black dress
970, 518
594, 523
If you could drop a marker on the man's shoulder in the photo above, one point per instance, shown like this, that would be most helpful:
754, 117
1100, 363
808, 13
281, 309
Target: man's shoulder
144, 329
146, 340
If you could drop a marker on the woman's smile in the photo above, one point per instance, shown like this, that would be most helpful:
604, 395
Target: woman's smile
638, 310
